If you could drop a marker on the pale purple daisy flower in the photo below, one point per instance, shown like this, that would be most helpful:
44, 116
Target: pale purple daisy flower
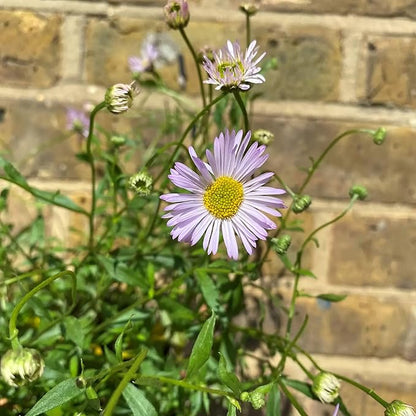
336, 410
229, 69
224, 197
78, 121
146, 61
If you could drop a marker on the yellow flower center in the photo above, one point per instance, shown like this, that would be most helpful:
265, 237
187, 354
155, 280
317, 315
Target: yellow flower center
223, 197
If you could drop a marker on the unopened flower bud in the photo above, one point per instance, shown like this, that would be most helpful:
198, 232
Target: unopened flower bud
263, 136
21, 366
358, 190
398, 408
177, 13
256, 397
141, 183
326, 387
280, 245
119, 97
379, 135
249, 8
118, 140
301, 203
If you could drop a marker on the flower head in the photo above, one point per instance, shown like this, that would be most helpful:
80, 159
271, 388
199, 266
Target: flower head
177, 13
141, 183
398, 408
77, 121
119, 97
229, 69
21, 366
146, 61
223, 197
326, 387
249, 8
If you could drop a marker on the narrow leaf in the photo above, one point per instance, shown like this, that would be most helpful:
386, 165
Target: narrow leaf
331, 297
273, 402
304, 388
228, 378
137, 401
202, 347
58, 395
208, 289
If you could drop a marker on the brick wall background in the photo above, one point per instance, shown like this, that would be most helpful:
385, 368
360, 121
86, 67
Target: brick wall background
342, 64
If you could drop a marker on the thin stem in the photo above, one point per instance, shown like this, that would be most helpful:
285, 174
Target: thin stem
365, 389
185, 133
184, 384
21, 277
326, 224
123, 383
311, 171
90, 159
198, 67
243, 109
292, 398
317, 162
13, 331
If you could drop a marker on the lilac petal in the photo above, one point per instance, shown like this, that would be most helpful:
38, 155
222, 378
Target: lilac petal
215, 238
201, 228
201, 166
229, 239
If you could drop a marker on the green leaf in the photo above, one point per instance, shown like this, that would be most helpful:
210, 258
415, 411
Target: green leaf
273, 402
208, 289
137, 401
202, 347
55, 198
304, 388
74, 330
58, 395
285, 260
331, 297
304, 272
228, 378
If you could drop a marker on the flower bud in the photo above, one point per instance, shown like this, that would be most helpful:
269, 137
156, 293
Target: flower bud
21, 366
326, 387
256, 397
177, 13
249, 8
358, 190
379, 135
119, 97
118, 140
280, 245
398, 408
301, 203
263, 136
141, 183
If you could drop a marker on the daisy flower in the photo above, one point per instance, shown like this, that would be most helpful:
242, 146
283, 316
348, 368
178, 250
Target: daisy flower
223, 197
146, 61
78, 121
229, 69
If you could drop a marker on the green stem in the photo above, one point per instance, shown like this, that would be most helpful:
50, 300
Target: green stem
240, 102
291, 398
311, 171
123, 383
90, 158
13, 331
21, 277
185, 133
198, 67
326, 224
365, 389
184, 384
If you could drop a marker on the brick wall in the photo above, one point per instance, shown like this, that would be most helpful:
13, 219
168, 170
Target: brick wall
342, 64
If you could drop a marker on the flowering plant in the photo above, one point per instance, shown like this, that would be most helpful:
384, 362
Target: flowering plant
131, 321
